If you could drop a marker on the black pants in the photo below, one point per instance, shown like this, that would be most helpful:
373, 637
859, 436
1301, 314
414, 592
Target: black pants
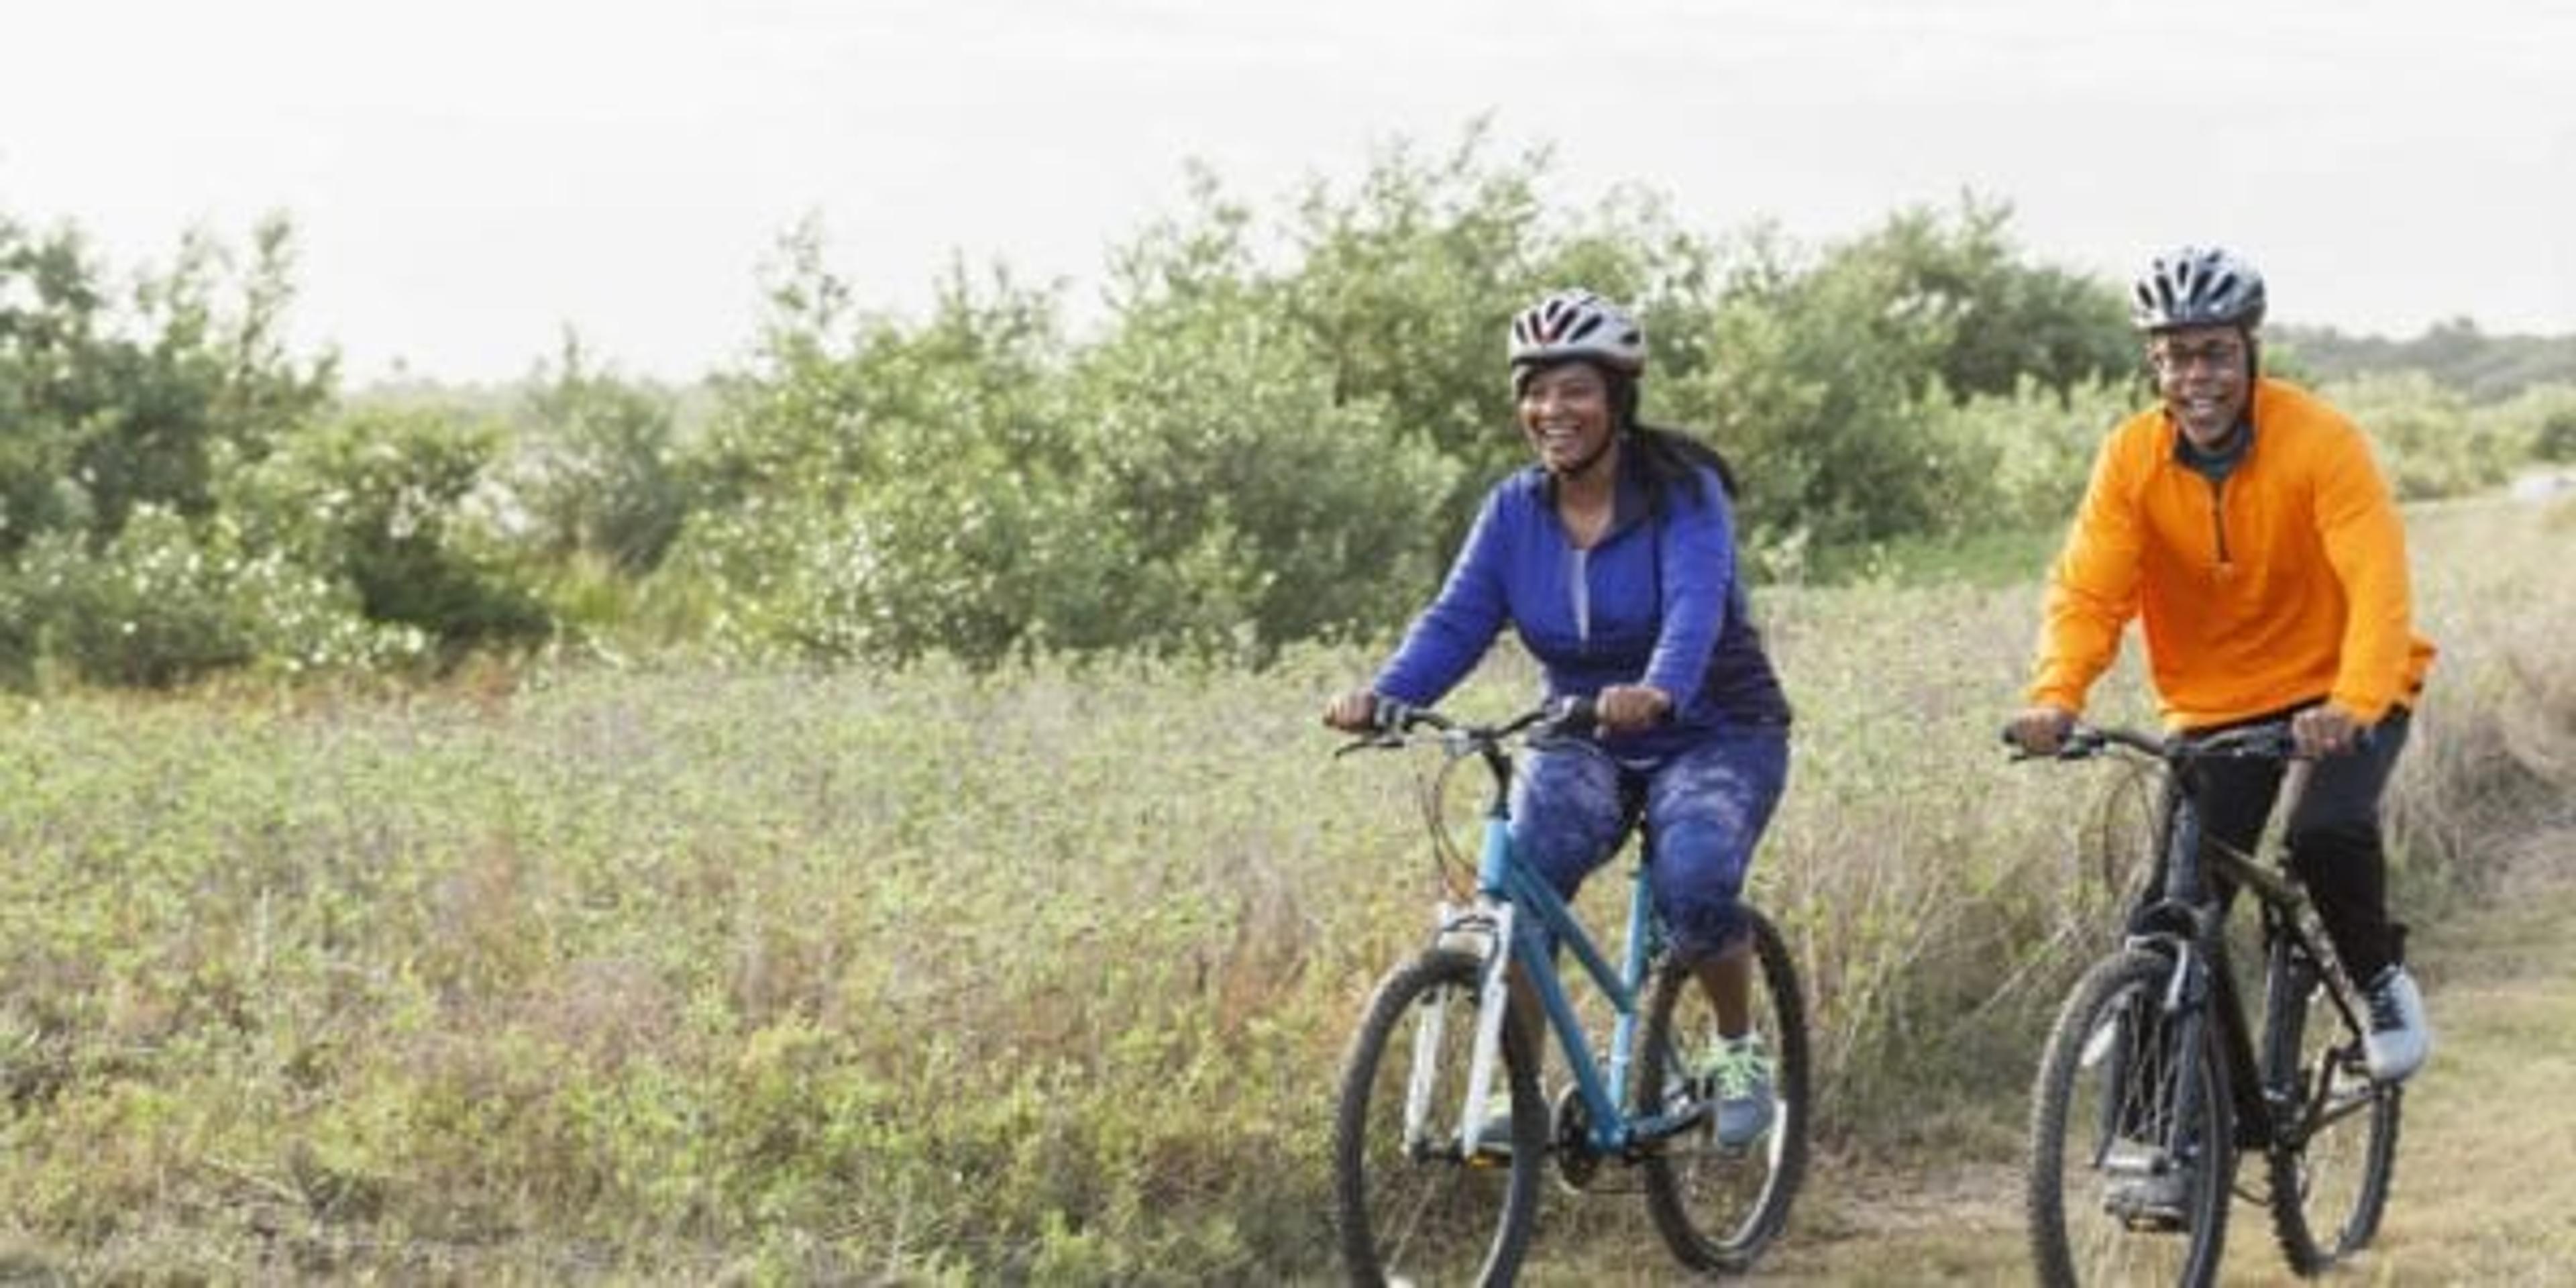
2333, 835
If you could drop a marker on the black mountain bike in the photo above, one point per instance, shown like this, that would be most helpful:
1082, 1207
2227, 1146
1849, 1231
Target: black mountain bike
2156, 1078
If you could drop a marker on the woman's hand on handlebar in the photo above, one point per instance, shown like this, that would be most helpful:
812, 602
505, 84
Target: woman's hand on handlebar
1630, 708
1352, 712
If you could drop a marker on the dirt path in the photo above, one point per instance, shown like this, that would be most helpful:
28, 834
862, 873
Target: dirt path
2486, 1173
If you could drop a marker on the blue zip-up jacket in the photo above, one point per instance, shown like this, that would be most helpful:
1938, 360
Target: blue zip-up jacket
1656, 601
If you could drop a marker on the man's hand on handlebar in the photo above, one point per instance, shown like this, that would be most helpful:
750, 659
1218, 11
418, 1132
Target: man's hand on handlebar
2040, 730
2326, 729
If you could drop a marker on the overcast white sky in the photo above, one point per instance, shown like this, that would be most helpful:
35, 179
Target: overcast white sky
471, 176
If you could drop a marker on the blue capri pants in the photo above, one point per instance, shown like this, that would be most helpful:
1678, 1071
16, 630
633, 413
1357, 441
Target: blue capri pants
1705, 807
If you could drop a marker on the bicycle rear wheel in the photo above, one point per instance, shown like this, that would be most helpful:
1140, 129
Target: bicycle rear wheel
2125, 1187
1717, 1205
2330, 1168
1412, 1206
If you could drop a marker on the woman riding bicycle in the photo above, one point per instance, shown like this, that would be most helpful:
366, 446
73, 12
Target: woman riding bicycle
1614, 560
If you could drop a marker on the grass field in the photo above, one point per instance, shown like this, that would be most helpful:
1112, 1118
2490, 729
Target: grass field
687, 974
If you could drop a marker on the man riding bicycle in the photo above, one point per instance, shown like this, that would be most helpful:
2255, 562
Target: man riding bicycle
2245, 524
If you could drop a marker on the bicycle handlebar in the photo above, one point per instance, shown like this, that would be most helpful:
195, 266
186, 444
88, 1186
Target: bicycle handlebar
2271, 740
1396, 722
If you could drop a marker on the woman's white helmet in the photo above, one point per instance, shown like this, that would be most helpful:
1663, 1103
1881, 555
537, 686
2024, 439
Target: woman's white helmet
1578, 324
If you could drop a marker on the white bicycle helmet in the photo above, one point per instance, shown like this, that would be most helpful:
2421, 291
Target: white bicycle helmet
2197, 286
1576, 323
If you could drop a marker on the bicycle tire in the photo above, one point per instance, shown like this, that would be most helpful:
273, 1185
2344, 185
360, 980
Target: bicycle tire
1717, 1208
1425, 1213
2106, 1073
2330, 1180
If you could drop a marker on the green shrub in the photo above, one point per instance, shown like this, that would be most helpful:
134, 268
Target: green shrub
169, 601
382, 499
2430, 441
2543, 420
593, 470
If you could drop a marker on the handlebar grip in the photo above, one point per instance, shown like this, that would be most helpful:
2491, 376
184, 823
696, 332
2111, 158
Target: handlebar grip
1573, 715
1389, 715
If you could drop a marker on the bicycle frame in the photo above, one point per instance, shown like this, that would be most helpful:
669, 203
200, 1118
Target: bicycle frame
2189, 924
1516, 907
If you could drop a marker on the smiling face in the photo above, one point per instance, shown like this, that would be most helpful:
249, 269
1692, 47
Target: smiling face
2202, 373
1565, 413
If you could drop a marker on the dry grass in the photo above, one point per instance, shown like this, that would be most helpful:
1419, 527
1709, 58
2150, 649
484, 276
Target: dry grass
696, 975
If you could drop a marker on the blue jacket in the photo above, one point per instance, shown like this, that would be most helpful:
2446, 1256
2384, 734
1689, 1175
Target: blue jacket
1656, 600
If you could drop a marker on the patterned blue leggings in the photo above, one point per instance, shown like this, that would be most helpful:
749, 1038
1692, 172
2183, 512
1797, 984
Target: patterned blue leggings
1705, 807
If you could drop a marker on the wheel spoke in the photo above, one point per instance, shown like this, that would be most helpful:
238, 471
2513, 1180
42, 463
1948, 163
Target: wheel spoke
1719, 1201
2127, 1185
1410, 1204
2329, 1181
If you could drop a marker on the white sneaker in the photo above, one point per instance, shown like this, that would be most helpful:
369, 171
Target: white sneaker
2400, 1037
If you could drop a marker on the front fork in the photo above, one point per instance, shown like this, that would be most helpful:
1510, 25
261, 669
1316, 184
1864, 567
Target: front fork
1493, 1007
1482, 930
2201, 992
2186, 1007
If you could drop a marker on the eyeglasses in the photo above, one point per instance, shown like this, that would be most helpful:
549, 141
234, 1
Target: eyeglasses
2225, 355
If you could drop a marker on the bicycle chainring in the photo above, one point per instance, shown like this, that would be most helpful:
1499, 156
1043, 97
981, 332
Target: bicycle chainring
1576, 1161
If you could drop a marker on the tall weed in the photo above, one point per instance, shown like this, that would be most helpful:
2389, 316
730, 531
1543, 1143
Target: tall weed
696, 974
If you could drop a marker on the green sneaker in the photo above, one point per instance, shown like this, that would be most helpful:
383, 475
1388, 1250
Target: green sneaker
1739, 1071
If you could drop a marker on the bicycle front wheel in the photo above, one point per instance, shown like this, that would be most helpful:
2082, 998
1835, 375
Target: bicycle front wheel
1720, 1191
2330, 1163
2127, 1184
1420, 1197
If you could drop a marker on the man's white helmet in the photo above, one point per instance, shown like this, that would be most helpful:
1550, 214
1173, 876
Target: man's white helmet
2197, 286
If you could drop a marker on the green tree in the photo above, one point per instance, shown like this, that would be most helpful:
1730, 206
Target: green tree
869, 488
108, 412
1830, 380
380, 499
594, 470
2428, 440
1400, 287
2456, 353
1263, 505
51, 311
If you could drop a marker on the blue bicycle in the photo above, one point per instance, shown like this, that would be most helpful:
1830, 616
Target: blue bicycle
1442, 1133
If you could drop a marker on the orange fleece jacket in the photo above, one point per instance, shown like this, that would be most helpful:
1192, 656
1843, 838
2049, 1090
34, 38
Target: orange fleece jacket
2283, 585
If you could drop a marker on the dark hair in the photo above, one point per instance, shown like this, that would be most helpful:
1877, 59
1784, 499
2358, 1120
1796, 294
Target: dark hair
1666, 458
1669, 458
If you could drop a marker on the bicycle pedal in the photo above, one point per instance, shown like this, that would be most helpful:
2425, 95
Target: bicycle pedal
2150, 1202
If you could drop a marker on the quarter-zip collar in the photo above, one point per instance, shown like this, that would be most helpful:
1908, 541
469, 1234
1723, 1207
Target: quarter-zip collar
1628, 501
1628, 508
2218, 464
